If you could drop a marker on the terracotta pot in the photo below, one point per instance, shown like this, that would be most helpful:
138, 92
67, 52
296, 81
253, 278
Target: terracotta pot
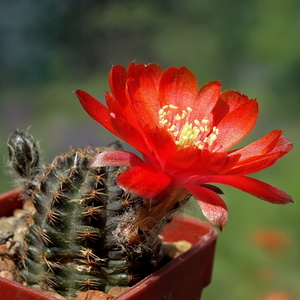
181, 279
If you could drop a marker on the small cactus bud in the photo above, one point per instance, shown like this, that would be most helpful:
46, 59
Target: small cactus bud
23, 153
24, 158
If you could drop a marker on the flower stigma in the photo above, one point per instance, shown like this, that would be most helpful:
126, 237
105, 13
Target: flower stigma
187, 132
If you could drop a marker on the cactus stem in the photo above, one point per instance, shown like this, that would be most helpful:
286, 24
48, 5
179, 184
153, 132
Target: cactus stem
56, 195
45, 238
88, 284
76, 238
92, 212
88, 234
98, 178
52, 217
51, 265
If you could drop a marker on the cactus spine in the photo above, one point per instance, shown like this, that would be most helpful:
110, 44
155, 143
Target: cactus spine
74, 243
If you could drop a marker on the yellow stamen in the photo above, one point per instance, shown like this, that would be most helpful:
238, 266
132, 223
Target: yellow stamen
199, 135
177, 117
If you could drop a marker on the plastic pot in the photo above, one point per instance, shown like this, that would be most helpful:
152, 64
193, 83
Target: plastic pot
181, 279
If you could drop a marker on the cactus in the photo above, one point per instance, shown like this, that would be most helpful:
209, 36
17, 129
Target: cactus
74, 241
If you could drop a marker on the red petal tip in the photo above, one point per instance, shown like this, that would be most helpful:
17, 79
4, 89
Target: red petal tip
115, 158
216, 215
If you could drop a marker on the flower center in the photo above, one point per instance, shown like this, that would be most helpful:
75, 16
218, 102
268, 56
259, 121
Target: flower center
187, 132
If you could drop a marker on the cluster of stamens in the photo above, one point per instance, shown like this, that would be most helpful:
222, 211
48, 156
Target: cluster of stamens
187, 132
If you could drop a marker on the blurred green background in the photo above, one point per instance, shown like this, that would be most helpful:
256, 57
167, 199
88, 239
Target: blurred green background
50, 48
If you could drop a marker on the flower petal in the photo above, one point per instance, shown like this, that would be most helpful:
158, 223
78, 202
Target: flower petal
210, 163
212, 205
95, 109
259, 163
156, 72
236, 125
160, 142
260, 147
178, 86
233, 99
151, 70
261, 154
283, 146
128, 133
206, 100
182, 159
126, 113
251, 186
204, 163
143, 92
144, 180
115, 158
117, 79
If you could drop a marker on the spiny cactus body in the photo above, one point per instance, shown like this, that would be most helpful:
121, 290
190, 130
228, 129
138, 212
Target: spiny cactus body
74, 242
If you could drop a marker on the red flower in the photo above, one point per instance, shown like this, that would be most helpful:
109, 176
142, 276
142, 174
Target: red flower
184, 135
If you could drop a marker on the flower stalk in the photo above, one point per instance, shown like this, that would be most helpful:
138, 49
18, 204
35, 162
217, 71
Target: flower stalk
149, 220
